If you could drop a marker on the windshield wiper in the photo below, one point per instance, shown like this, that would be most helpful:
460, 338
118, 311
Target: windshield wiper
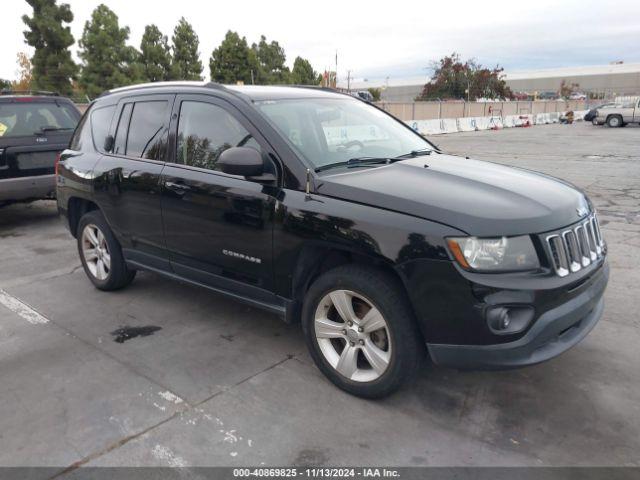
52, 129
357, 161
416, 153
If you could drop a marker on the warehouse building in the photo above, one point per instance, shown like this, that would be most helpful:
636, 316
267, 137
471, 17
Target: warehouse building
601, 81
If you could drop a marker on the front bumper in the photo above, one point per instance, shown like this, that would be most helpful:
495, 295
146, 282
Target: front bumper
25, 188
555, 332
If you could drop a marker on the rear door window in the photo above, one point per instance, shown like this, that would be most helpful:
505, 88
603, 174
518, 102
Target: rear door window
147, 137
26, 117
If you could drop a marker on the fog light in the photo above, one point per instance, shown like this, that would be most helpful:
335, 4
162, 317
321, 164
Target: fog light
507, 319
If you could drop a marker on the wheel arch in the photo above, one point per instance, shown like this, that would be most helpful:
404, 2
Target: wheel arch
314, 260
76, 208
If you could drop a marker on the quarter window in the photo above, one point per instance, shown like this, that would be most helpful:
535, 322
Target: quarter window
205, 131
100, 122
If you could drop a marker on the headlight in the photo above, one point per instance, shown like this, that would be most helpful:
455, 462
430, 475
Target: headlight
494, 254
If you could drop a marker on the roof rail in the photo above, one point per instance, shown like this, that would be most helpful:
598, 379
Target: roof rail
174, 83
8, 91
325, 89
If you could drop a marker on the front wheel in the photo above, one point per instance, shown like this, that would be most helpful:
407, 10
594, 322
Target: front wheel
101, 254
360, 330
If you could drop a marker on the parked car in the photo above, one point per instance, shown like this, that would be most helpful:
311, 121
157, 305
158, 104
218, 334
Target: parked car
548, 96
329, 211
619, 115
34, 128
364, 95
591, 114
577, 96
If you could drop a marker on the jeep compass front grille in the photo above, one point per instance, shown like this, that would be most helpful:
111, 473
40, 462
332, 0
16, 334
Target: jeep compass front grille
576, 247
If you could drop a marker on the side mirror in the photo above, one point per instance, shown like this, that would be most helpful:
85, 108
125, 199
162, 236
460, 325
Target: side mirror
108, 143
243, 161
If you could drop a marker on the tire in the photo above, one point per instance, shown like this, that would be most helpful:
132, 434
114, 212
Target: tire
346, 353
614, 121
105, 265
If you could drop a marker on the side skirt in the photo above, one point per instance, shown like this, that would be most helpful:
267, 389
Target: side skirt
280, 306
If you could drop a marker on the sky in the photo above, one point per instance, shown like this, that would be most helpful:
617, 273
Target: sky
375, 40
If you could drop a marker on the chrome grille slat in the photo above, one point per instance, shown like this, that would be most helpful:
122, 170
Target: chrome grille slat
576, 247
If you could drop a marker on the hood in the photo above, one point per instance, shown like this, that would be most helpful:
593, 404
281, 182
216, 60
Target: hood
479, 198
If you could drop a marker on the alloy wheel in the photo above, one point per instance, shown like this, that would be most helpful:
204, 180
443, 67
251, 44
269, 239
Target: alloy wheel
353, 335
96, 252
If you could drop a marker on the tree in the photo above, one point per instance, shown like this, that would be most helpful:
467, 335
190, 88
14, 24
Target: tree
303, 73
24, 73
186, 64
233, 60
53, 67
271, 62
155, 55
375, 93
107, 61
454, 79
566, 89
5, 84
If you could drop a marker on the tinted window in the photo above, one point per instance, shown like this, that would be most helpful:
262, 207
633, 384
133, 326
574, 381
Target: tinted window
100, 122
147, 135
205, 131
81, 139
332, 130
28, 117
123, 127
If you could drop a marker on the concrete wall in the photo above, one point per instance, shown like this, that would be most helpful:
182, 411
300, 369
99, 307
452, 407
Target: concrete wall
433, 110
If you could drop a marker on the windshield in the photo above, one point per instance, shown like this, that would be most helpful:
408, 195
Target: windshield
332, 130
28, 118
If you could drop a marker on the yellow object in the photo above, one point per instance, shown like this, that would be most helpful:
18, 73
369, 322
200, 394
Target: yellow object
3, 128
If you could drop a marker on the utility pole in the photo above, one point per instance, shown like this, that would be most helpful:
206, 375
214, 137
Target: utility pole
336, 68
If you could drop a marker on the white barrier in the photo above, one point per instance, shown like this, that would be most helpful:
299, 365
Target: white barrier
495, 123
527, 120
578, 115
449, 125
482, 123
510, 121
471, 124
466, 124
426, 127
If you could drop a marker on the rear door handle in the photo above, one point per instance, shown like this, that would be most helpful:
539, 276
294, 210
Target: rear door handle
178, 187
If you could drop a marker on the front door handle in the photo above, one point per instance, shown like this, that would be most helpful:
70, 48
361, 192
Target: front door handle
178, 187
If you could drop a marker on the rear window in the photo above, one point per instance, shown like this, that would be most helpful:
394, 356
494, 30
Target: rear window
23, 118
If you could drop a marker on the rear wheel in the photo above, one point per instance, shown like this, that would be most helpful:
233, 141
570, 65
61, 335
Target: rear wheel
360, 330
101, 254
614, 121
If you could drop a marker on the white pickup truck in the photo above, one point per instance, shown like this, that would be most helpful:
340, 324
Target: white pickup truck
619, 115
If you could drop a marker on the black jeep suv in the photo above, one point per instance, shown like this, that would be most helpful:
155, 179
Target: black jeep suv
327, 210
34, 128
